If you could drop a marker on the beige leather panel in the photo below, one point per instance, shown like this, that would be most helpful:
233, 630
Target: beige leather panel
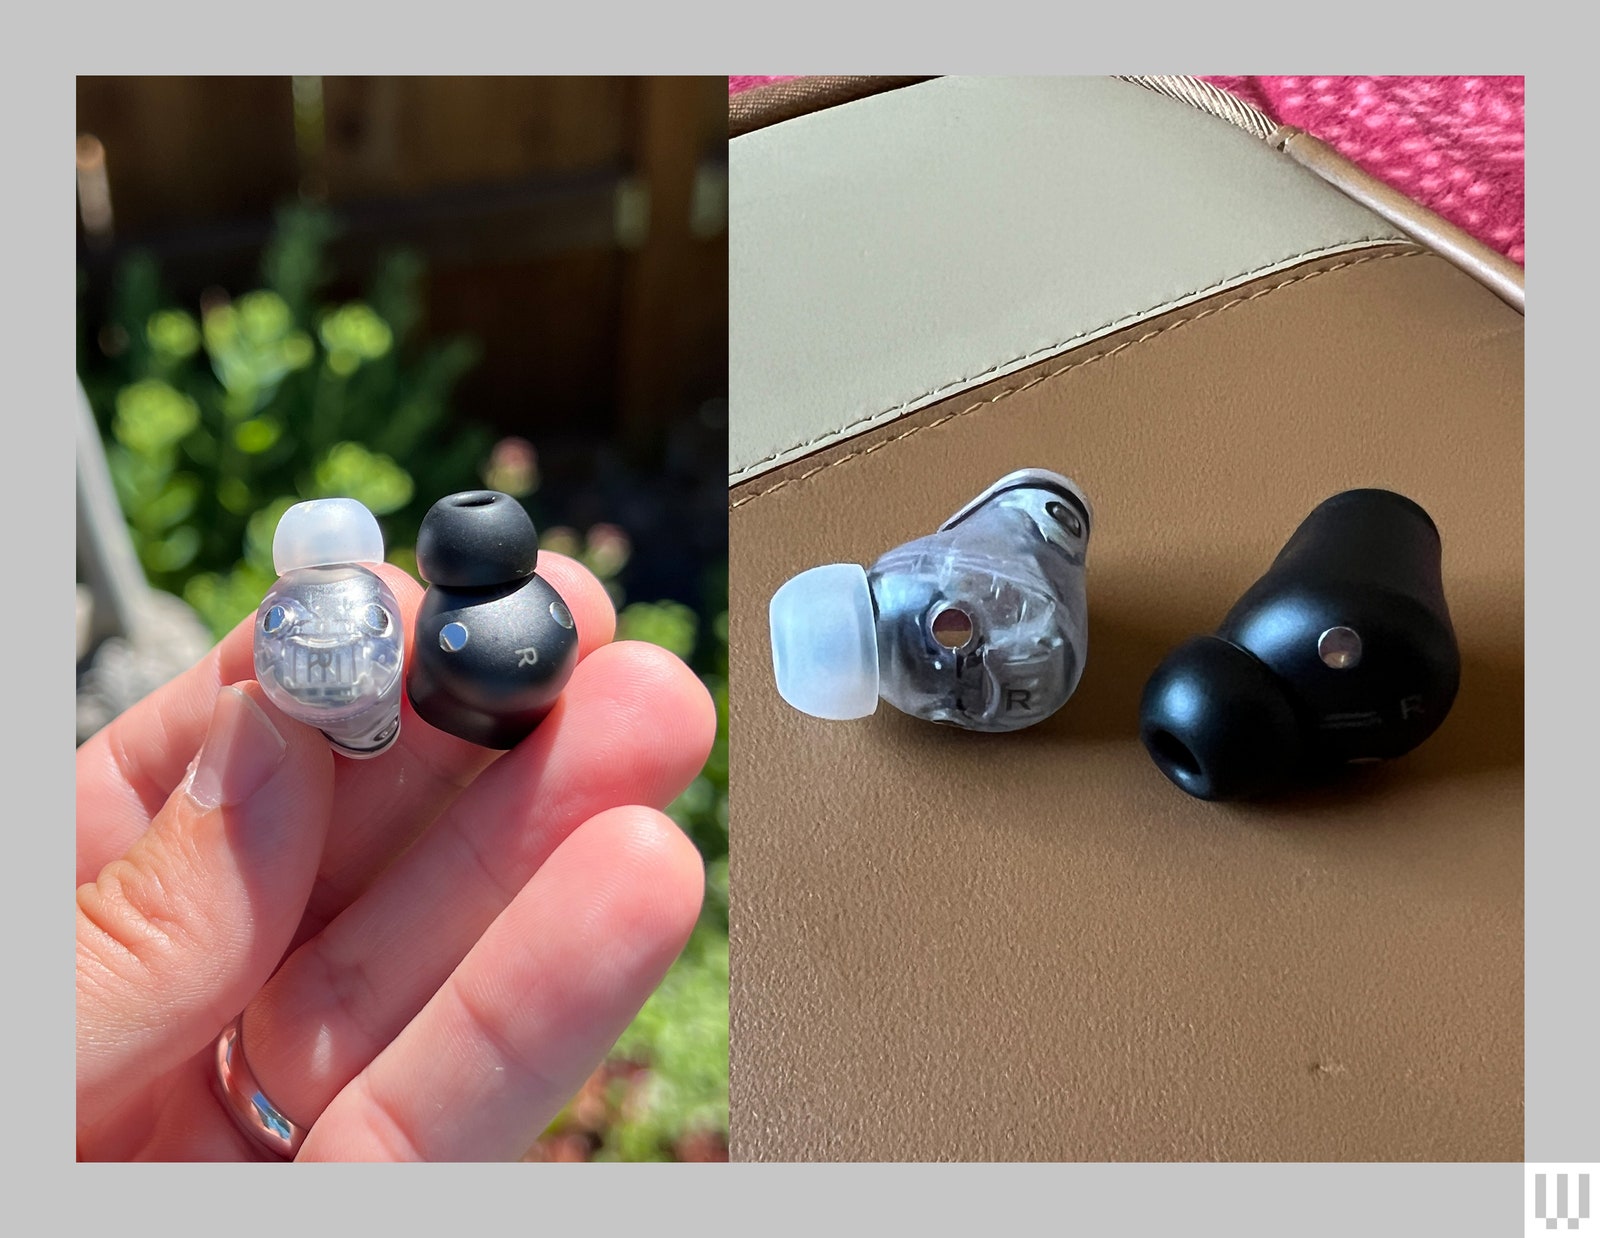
1032, 946
892, 251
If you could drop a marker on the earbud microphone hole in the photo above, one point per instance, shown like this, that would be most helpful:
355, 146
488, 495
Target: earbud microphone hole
952, 628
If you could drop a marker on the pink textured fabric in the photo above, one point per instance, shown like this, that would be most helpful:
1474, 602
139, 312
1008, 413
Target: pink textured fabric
1454, 144
736, 84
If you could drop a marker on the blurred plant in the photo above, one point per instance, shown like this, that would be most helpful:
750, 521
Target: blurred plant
605, 550
513, 467
663, 1093
218, 423
681, 1038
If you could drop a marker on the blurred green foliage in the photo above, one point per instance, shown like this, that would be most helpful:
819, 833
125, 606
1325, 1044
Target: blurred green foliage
681, 1035
216, 422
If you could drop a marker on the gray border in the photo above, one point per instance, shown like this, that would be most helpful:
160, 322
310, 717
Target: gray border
1561, 925
1241, 1201
1267, 1199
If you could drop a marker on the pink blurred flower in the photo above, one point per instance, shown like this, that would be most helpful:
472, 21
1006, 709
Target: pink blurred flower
513, 467
608, 550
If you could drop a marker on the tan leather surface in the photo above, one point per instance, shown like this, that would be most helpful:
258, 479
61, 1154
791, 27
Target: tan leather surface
1032, 946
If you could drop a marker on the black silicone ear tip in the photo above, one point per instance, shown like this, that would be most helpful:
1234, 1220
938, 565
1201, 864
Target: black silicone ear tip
1218, 722
477, 539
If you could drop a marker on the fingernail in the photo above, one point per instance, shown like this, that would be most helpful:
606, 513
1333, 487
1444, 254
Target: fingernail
241, 751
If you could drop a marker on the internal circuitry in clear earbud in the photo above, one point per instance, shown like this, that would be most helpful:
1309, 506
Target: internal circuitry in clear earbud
328, 640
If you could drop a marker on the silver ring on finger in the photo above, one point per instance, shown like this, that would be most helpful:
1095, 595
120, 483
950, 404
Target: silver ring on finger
266, 1125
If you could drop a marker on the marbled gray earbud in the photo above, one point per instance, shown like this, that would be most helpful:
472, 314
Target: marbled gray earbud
982, 624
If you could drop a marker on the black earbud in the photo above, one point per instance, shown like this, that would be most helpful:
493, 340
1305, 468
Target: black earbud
495, 644
1343, 652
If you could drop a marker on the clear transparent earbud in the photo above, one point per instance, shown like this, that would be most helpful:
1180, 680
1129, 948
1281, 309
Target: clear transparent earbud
982, 625
328, 641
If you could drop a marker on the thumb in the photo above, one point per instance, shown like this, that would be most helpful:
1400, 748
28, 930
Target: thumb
175, 937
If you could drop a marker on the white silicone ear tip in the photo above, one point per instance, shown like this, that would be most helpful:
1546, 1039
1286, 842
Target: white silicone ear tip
825, 642
321, 532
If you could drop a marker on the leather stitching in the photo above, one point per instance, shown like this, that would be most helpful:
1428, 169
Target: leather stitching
1040, 353
1075, 365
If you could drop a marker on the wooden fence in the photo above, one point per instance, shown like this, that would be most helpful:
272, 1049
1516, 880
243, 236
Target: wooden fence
575, 226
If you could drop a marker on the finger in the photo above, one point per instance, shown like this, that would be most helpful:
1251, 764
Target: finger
535, 1006
128, 769
175, 936
634, 727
